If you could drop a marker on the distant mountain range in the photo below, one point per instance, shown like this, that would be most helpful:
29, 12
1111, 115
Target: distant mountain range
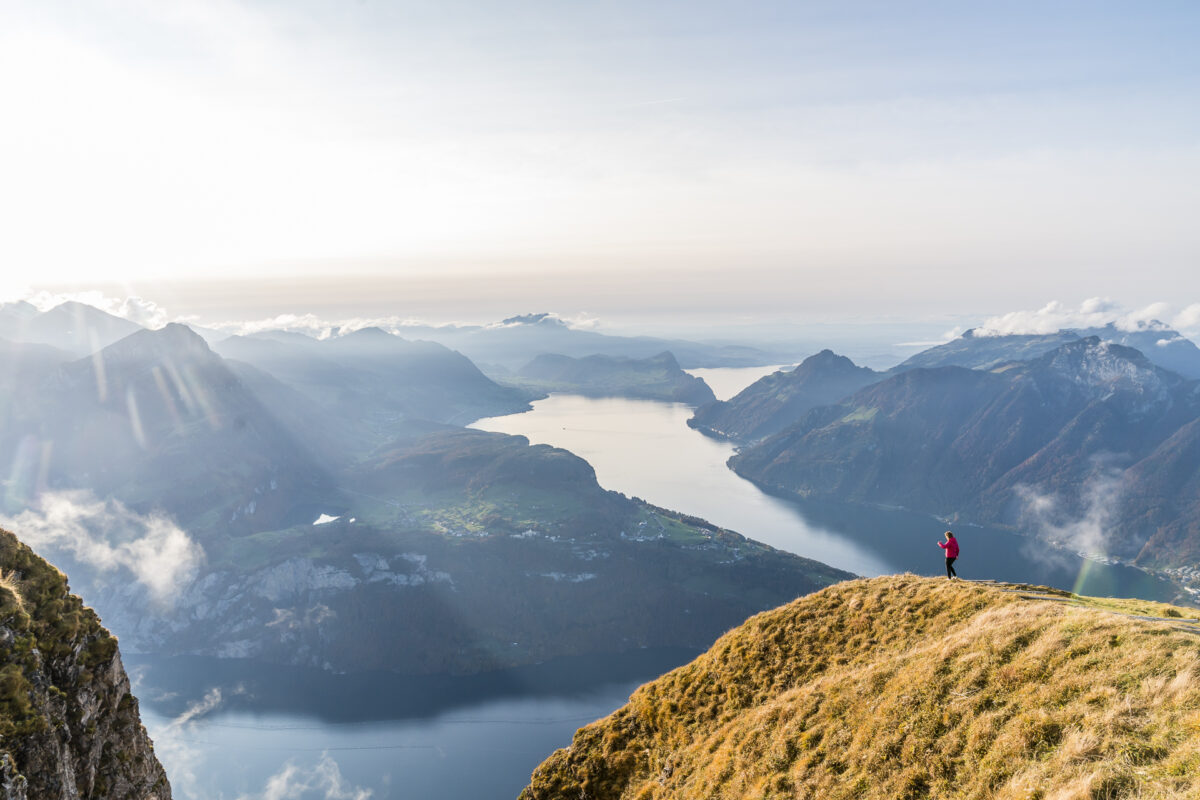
1088, 442
76, 328
783, 398
1163, 346
378, 378
657, 378
513, 342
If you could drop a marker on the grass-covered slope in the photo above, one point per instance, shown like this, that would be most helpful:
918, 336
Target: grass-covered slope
69, 726
906, 687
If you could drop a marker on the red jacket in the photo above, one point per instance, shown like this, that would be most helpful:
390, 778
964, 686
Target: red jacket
951, 548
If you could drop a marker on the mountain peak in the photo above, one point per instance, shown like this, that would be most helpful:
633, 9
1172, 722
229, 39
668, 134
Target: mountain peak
667, 358
174, 340
1099, 363
370, 332
825, 362
21, 309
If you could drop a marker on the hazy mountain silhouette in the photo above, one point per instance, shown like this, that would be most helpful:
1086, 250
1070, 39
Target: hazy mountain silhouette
657, 378
378, 378
74, 327
161, 422
782, 398
13, 317
514, 341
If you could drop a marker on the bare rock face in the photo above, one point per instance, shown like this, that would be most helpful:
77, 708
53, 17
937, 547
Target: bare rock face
69, 725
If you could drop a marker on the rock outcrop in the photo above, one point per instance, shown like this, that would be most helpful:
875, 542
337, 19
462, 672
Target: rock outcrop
69, 725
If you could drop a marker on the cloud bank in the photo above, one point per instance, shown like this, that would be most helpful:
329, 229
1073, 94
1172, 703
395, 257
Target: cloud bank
1095, 312
321, 328
109, 537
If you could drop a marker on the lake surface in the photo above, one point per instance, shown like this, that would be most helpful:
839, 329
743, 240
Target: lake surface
237, 730
728, 381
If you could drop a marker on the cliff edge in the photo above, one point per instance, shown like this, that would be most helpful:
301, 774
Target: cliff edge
69, 726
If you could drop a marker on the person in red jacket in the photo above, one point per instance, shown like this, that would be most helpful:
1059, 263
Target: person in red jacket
951, 548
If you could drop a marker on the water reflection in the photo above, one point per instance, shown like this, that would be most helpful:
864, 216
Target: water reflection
173, 685
238, 729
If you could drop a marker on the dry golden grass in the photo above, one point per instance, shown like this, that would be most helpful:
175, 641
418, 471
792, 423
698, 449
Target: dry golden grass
9, 583
906, 687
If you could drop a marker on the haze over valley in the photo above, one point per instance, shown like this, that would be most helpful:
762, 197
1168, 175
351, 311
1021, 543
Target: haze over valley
281, 501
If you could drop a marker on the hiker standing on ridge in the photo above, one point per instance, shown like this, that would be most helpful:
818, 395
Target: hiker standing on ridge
951, 548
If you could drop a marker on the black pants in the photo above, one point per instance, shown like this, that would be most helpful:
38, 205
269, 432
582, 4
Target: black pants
950, 573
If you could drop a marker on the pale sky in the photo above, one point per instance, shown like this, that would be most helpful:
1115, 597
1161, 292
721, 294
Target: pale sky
793, 155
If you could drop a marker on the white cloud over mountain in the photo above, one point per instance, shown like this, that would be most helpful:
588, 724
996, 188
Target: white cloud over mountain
1095, 312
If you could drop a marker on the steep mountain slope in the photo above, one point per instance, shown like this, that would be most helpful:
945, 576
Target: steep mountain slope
776, 401
993, 445
161, 422
23, 365
69, 726
655, 378
1161, 494
904, 687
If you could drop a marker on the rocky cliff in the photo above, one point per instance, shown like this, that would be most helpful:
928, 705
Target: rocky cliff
69, 726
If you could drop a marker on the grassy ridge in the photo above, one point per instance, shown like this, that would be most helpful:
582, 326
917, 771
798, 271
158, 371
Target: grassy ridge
905, 687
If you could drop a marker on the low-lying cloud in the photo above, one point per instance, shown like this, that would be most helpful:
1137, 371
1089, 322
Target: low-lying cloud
206, 705
321, 328
1086, 530
321, 781
1093, 313
108, 536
